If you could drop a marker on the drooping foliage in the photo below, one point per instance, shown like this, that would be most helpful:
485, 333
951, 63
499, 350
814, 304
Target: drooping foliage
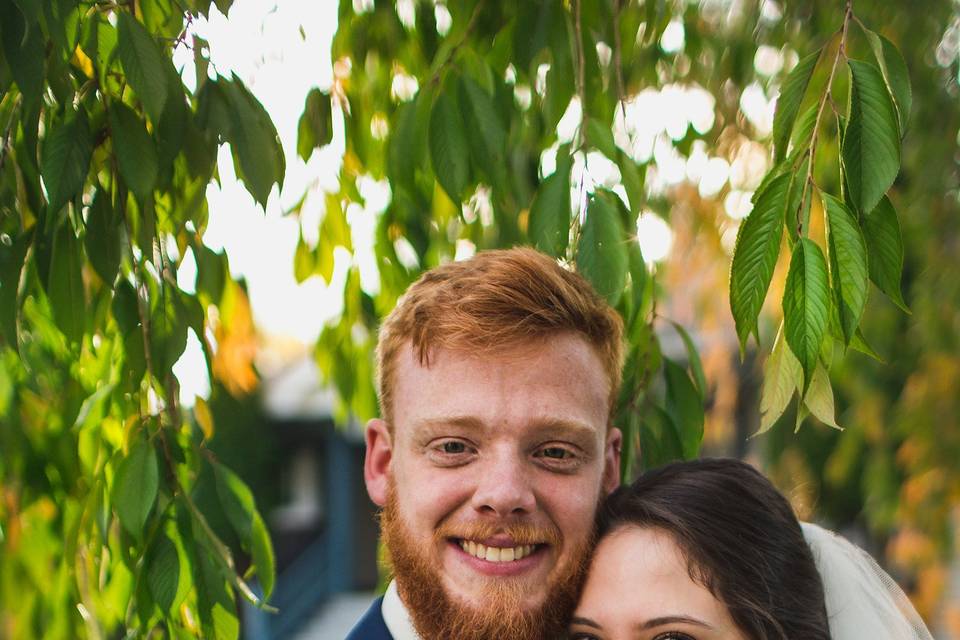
115, 516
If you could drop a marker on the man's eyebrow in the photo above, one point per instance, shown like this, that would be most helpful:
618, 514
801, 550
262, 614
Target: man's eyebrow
665, 620
439, 422
571, 427
587, 622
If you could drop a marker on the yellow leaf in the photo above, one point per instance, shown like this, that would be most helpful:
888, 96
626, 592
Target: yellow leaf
201, 411
82, 62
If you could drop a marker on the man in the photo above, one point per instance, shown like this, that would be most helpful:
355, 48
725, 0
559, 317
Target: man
497, 377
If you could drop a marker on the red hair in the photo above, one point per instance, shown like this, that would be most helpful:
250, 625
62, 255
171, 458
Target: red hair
492, 301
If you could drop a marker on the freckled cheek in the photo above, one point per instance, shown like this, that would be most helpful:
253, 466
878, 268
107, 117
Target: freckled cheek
572, 507
429, 500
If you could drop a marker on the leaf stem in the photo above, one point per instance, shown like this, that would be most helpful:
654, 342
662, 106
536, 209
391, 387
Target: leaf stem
617, 60
435, 79
827, 94
580, 79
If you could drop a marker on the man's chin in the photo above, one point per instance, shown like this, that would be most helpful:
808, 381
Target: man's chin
500, 610
488, 607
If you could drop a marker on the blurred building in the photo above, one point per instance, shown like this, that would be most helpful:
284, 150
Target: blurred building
325, 531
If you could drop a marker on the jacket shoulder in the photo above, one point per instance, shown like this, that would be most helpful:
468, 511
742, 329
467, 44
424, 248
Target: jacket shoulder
371, 626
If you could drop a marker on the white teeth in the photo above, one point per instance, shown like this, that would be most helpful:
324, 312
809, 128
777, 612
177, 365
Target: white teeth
496, 554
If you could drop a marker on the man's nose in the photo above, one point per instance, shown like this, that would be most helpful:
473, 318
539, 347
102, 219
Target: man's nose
504, 487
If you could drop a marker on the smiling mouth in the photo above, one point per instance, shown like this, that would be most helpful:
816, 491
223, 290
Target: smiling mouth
497, 554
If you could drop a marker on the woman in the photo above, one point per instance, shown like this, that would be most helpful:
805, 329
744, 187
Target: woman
709, 549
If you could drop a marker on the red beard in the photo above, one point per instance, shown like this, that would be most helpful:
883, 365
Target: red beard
438, 616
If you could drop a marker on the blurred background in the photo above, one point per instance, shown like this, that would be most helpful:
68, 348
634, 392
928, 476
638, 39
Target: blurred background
347, 233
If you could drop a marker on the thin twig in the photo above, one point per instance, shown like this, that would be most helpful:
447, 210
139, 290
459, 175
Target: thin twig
617, 61
581, 74
456, 48
5, 143
808, 183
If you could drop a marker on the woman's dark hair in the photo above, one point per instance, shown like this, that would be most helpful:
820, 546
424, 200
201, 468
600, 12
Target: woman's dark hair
741, 540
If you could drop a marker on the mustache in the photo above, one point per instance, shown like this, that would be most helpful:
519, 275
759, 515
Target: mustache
518, 532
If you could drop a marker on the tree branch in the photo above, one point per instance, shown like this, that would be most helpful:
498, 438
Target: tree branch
827, 95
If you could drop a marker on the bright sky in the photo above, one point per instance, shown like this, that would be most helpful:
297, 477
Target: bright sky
282, 50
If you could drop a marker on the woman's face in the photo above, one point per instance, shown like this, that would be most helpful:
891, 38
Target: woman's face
639, 588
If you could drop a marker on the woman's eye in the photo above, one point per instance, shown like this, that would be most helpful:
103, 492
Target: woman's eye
581, 636
453, 447
673, 635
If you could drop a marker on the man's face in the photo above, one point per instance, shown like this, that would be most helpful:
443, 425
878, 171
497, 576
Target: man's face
503, 456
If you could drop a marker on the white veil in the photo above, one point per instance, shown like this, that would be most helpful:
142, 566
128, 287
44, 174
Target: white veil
862, 600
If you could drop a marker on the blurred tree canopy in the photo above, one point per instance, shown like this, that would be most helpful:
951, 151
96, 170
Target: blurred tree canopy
804, 156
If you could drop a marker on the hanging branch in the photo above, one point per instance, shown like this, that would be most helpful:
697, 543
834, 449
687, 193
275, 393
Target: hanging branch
581, 73
827, 95
617, 61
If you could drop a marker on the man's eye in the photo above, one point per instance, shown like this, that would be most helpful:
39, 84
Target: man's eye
556, 453
453, 447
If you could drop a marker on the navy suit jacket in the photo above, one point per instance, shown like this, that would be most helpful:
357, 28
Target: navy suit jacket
371, 626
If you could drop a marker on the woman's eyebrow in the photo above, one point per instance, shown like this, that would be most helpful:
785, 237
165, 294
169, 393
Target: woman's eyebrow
587, 622
665, 620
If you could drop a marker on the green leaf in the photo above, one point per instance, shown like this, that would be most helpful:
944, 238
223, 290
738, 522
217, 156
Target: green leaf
693, 356
602, 252
171, 131
848, 264
803, 131
238, 504
788, 103
448, 148
334, 232
484, 129
895, 74
781, 376
135, 151
550, 211
216, 605
65, 285
304, 262
135, 486
406, 151
881, 231
11, 266
685, 407
168, 327
632, 182
257, 152
66, 158
94, 407
168, 570
601, 138
859, 343
142, 63
819, 399
261, 549
102, 239
315, 128
871, 143
806, 305
659, 439
24, 49
755, 256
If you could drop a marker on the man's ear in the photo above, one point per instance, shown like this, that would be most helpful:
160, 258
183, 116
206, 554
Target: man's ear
611, 460
376, 465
